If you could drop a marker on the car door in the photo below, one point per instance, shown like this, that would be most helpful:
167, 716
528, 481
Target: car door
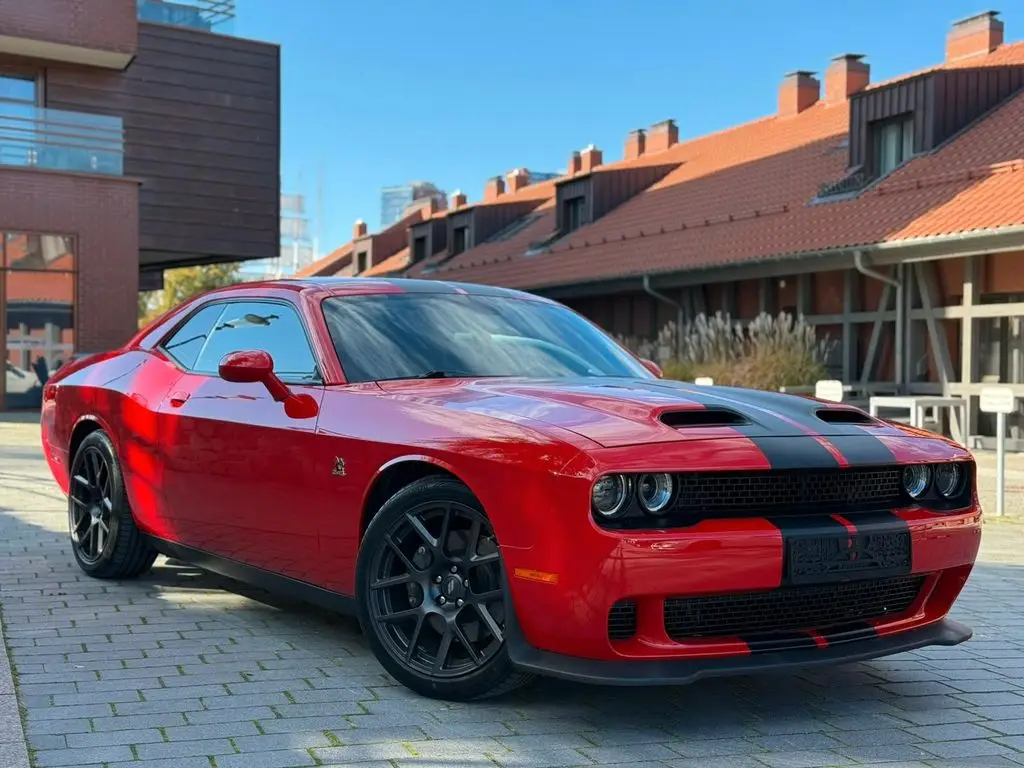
235, 464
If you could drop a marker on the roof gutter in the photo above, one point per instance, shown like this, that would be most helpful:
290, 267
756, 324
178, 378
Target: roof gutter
858, 263
679, 311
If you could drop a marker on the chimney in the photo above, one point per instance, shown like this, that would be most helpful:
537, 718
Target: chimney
799, 90
636, 142
845, 76
662, 135
458, 199
359, 230
494, 189
590, 158
575, 163
517, 179
974, 35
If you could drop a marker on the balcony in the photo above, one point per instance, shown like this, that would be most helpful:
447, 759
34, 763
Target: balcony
206, 15
97, 33
56, 140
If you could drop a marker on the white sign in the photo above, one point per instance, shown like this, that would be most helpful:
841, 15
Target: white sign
998, 400
704, 381
829, 389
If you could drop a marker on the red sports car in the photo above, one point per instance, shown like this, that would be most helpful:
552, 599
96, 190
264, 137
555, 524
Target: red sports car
498, 489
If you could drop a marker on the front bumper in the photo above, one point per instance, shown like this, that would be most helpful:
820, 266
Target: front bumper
687, 670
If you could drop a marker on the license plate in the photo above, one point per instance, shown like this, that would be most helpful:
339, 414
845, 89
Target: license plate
817, 559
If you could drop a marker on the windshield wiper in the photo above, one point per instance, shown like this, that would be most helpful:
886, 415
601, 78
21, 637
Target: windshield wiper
445, 375
441, 374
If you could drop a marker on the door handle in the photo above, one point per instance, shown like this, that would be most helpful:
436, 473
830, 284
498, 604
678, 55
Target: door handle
178, 399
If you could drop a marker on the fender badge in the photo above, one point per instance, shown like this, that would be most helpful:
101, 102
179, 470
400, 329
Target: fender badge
339, 466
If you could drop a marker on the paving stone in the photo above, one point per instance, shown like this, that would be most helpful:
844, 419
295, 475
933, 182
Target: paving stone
220, 671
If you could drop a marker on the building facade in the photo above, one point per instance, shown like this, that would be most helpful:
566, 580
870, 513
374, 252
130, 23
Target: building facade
889, 215
134, 136
395, 200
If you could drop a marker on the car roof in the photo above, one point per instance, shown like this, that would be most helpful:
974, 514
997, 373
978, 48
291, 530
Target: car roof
342, 286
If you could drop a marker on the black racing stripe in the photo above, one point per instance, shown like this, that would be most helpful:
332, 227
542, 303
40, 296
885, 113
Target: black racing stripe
886, 523
862, 449
863, 445
802, 527
778, 641
804, 452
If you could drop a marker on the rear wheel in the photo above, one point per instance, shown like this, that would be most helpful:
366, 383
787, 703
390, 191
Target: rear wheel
431, 597
104, 539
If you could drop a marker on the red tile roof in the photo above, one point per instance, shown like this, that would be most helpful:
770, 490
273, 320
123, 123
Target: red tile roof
748, 193
391, 264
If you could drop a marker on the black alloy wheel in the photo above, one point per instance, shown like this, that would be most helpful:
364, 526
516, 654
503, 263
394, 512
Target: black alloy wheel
432, 593
91, 506
104, 538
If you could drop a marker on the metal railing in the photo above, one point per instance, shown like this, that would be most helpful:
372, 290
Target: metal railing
58, 140
854, 181
207, 15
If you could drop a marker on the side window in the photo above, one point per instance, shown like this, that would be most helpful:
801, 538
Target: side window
271, 327
187, 342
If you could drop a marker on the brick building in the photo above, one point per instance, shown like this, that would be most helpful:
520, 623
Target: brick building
890, 215
134, 136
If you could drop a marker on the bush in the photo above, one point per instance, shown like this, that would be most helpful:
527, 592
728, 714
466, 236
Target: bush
767, 353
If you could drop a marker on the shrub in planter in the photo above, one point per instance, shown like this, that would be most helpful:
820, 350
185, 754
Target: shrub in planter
767, 353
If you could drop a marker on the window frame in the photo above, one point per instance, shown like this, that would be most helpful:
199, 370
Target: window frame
169, 356
904, 123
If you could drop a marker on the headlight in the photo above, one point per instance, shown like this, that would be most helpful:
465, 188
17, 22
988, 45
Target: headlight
654, 492
916, 479
609, 495
949, 479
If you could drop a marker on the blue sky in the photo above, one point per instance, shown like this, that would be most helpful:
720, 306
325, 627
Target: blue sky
384, 92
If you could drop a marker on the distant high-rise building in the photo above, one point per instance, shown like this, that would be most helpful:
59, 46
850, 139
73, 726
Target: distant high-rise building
394, 200
539, 176
296, 250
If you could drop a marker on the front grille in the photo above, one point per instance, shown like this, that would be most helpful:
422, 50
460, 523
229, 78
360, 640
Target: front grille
818, 607
788, 491
622, 620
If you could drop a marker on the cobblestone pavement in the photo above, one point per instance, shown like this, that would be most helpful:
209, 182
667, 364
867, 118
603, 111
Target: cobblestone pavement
185, 670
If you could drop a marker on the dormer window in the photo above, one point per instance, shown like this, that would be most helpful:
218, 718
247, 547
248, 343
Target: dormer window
572, 214
362, 262
893, 143
460, 235
419, 248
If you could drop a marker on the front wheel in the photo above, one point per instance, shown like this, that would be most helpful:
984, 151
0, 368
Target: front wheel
431, 597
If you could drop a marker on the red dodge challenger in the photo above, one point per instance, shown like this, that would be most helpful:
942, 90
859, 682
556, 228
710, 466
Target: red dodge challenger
499, 490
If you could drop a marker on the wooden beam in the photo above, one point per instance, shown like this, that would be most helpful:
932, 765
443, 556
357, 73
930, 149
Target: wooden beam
876, 334
803, 294
849, 345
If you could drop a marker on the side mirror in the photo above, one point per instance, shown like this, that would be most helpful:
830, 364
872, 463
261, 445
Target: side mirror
652, 366
257, 367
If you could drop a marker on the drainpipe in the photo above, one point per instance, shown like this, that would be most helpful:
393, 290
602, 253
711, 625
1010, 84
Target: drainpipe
858, 263
679, 312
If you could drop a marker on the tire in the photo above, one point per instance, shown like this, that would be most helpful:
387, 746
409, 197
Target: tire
405, 577
105, 541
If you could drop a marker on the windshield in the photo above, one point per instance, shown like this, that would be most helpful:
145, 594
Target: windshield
399, 336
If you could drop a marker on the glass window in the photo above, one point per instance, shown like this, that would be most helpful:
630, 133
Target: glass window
396, 336
894, 143
39, 252
18, 86
187, 342
38, 332
268, 326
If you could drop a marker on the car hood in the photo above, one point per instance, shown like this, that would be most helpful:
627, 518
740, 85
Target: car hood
619, 412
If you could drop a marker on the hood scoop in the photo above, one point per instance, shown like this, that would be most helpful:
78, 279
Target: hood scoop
844, 416
702, 417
